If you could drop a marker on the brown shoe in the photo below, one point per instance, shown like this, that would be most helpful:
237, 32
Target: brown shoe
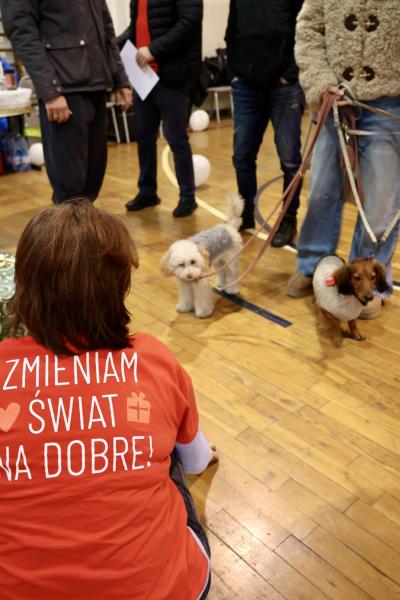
373, 309
299, 286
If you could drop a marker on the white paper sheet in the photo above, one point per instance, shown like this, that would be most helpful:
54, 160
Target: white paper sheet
142, 80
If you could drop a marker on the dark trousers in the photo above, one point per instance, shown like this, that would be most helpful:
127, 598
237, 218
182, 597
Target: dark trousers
253, 110
75, 152
169, 105
177, 475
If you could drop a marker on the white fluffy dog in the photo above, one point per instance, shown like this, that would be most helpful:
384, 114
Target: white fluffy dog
191, 258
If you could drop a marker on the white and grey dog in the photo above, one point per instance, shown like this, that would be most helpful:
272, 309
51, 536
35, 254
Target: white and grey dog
189, 259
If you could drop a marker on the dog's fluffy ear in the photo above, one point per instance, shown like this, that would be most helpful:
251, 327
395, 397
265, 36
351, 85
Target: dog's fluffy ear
165, 264
380, 273
205, 254
342, 279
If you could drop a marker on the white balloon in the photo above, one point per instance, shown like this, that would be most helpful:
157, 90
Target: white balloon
202, 169
199, 120
36, 155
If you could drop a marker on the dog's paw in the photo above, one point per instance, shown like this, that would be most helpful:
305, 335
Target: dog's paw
359, 337
356, 335
204, 312
232, 290
184, 308
337, 341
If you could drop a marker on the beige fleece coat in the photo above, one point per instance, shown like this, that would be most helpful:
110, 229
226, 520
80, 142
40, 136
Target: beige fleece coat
356, 42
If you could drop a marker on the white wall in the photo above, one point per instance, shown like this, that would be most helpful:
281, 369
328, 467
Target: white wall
119, 10
214, 24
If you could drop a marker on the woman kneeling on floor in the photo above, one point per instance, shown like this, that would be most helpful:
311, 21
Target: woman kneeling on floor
96, 427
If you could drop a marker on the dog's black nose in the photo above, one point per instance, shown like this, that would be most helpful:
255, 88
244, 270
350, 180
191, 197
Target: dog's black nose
368, 297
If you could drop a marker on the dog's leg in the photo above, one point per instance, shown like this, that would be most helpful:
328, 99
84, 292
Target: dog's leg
186, 297
219, 264
203, 298
328, 321
354, 333
231, 274
220, 283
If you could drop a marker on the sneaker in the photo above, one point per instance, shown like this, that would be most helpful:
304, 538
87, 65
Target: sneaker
286, 232
139, 202
248, 221
373, 309
184, 208
299, 286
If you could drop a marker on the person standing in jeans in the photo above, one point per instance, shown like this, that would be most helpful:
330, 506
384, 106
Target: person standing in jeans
70, 52
168, 35
260, 43
346, 44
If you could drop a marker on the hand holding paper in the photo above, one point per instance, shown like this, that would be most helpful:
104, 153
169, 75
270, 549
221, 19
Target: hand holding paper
143, 79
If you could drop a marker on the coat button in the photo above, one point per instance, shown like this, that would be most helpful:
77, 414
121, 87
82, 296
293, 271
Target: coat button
48, 46
348, 74
82, 42
351, 22
372, 23
367, 73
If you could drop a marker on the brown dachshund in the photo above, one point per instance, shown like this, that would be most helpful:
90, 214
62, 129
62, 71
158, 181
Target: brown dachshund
342, 290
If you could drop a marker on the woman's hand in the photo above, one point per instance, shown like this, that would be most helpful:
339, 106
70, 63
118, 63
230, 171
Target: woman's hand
124, 98
340, 93
214, 456
333, 89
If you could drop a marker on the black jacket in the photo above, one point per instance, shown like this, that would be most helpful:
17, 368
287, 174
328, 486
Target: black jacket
66, 46
260, 41
176, 34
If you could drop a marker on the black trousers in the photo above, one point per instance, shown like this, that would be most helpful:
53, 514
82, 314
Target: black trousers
177, 475
169, 105
75, 152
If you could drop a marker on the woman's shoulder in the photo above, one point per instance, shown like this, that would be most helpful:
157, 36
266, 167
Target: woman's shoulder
12, 345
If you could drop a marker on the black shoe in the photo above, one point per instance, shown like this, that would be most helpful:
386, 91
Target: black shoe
139, 202
184, 208
248, 221
286, 232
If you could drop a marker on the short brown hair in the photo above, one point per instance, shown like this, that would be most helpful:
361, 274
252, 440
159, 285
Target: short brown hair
73, 271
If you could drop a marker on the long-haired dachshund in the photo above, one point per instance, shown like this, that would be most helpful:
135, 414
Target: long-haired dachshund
342, 290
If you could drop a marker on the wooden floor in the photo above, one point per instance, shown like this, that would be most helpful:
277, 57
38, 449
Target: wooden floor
305, 503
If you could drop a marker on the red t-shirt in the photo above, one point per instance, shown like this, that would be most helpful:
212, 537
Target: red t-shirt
143, 37
87, 507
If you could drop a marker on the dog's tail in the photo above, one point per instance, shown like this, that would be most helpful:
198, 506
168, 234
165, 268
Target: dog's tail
234, 209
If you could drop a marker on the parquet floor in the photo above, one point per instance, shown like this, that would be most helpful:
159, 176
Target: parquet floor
305, 504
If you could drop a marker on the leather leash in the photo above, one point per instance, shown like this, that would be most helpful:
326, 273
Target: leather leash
356, 188
328, 102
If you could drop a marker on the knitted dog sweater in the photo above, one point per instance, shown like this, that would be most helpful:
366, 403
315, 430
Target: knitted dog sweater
215, 240
327, 296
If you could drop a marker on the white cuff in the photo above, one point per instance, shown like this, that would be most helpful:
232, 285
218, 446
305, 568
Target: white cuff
196, 455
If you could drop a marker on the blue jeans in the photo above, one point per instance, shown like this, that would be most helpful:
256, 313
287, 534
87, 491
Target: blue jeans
253, 110
168, 104
380, 167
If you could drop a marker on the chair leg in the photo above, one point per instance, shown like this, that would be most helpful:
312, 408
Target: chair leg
126, 128
115, 123
216, 102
